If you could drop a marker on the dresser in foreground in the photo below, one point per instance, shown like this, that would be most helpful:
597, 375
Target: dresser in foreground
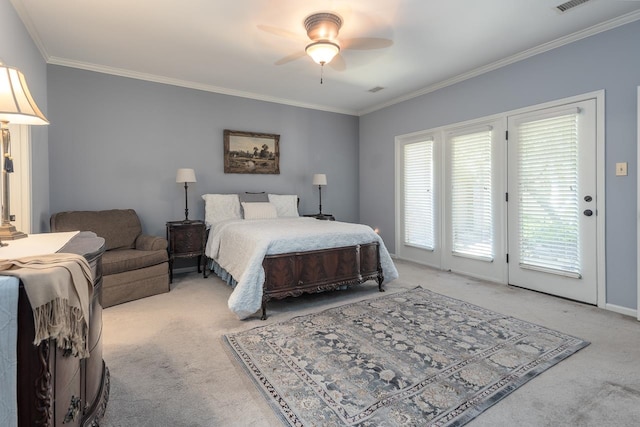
56, 389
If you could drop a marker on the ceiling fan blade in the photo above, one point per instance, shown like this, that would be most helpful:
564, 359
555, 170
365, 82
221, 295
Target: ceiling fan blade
337, 63
280, 32
365, 43
290, 58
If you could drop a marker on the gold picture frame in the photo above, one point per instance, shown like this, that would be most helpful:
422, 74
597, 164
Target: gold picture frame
251, 152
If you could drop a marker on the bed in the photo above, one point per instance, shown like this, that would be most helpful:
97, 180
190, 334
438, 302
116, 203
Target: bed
266, 251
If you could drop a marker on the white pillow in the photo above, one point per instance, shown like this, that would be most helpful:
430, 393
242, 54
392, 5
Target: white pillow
259, 210
218, 207
286, 205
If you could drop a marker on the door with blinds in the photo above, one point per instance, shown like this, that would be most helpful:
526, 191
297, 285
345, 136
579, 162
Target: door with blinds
474, 205
552, 201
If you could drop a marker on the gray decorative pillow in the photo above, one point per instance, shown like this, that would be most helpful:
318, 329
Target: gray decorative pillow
253, 197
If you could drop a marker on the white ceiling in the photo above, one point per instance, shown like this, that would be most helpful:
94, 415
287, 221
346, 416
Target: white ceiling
232, 46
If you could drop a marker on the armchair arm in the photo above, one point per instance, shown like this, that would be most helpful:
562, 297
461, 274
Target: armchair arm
150, 243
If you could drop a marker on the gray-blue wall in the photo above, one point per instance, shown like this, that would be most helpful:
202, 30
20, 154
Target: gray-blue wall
609, 61
117, 142
18, 50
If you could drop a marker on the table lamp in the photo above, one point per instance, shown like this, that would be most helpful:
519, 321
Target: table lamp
186, 175
320, 179
18, 107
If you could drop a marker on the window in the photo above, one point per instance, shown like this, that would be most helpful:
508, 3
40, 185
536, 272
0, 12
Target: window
418, 194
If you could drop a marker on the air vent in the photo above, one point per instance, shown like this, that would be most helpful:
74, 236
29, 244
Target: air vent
570, 5
376, 89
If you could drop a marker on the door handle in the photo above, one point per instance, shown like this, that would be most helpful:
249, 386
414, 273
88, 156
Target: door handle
588, 212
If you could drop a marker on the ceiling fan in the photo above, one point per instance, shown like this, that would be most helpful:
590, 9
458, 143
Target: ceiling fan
322, 29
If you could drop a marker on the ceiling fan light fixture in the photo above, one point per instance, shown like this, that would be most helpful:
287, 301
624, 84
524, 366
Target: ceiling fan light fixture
322, 52
322, 26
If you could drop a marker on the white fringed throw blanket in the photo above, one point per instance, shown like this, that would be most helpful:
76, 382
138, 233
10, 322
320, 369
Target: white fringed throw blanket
59, 287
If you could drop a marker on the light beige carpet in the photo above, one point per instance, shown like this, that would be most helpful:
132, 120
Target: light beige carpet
168, 366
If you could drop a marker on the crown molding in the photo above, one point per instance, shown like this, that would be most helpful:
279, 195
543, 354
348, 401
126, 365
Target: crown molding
191, 85
35, 36
596, 29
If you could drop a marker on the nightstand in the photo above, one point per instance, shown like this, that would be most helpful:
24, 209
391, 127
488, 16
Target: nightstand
326, 217
186, 240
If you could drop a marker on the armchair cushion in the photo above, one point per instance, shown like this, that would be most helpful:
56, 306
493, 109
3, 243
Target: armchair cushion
122, 260
144, 242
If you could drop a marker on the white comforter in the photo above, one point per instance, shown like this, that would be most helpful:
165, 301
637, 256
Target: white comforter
239, 246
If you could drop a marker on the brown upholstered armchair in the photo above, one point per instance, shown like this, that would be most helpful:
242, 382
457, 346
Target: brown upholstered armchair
134, 265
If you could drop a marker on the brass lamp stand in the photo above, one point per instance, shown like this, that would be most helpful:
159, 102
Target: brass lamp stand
7, 230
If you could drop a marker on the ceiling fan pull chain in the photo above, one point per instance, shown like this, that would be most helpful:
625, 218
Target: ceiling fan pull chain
321, 72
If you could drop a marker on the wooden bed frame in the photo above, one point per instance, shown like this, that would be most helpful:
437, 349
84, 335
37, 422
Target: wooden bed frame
297, 273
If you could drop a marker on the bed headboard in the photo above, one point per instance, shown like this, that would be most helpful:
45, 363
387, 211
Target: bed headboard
219, 207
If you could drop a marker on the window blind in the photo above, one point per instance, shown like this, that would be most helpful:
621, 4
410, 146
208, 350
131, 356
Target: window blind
471, 189
418, 194
548, 193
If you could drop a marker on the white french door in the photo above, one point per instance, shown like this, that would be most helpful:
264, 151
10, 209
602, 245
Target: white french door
552, 183
528, 211
474, 201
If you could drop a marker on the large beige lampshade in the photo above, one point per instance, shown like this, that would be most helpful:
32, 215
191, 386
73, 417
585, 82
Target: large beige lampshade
16, 103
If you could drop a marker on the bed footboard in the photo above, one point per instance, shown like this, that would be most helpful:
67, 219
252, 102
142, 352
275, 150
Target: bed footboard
297, 273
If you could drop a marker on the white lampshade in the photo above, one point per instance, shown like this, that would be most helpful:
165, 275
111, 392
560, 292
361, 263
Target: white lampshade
16, 103
319, 179
322, 52
186, 175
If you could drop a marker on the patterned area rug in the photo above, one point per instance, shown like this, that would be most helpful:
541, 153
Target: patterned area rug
415, 358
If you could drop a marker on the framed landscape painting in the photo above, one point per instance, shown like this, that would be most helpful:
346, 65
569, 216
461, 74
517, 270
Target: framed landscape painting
251, 152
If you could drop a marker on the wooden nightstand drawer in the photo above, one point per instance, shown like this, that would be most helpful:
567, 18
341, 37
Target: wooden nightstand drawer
186, 240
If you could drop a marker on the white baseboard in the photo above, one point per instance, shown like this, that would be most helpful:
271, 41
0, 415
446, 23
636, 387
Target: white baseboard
611, 307
622, 310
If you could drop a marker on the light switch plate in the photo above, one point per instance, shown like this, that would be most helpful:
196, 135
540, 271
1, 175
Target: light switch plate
621, 169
